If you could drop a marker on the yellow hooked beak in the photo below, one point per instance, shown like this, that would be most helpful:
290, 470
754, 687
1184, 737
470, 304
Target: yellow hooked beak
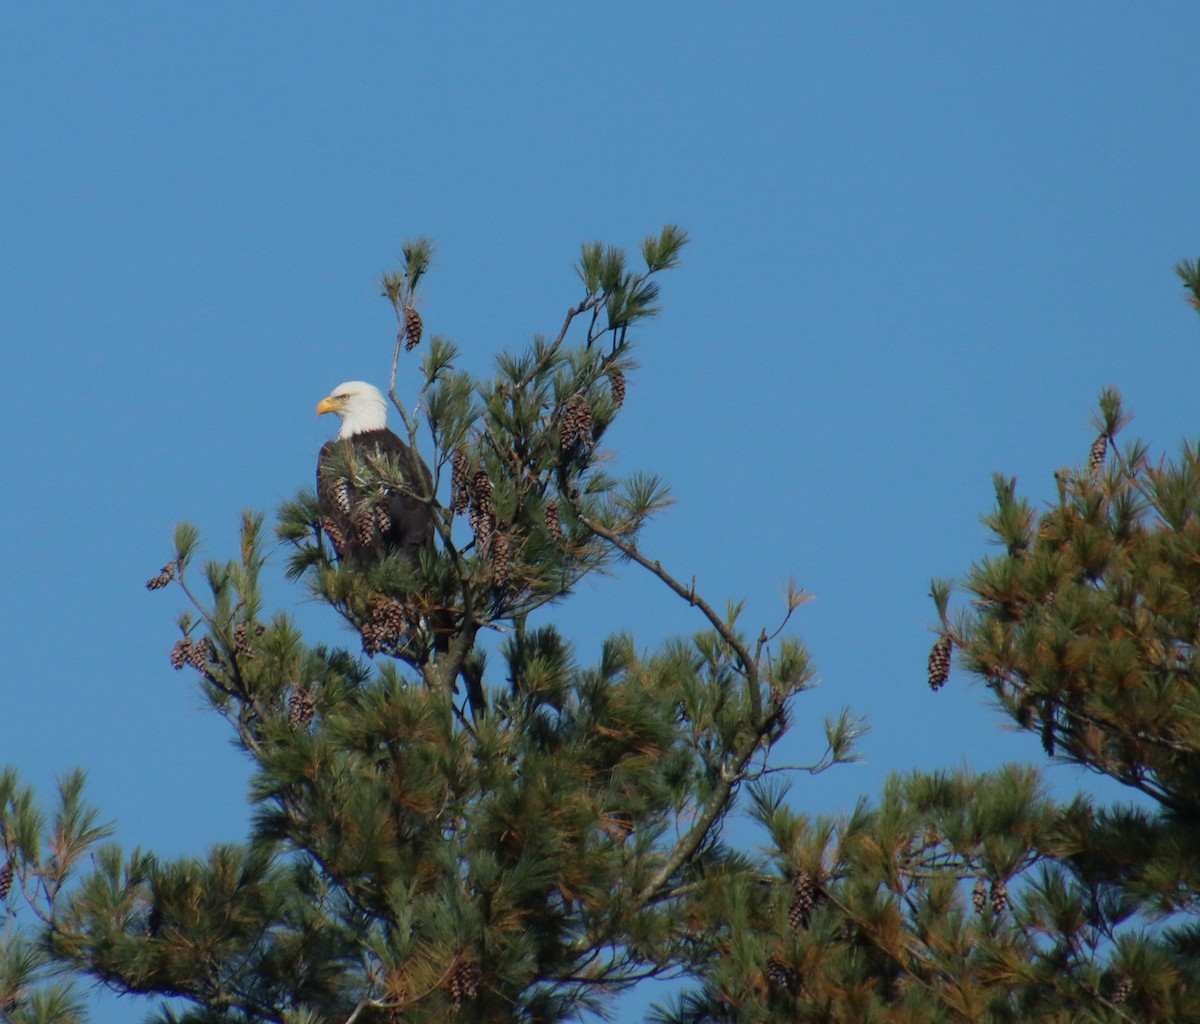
325, 405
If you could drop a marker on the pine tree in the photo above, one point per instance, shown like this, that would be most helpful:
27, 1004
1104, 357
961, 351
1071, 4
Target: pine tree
445, 827
1085, 628
965, 897
40, 856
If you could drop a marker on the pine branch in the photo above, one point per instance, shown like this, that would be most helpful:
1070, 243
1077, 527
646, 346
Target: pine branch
590, 302
749, 664
409, 425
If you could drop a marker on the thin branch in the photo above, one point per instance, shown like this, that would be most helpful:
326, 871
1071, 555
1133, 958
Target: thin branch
795, 599
822, 765
362, 1005
749, 664
409, 424
717, 802
592, 301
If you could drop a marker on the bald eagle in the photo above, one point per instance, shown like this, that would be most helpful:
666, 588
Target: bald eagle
365, 523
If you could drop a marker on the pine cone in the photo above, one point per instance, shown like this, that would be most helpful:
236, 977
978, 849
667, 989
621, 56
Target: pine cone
6, 879
301, 708
483, 512
364, 526
163, 578
241, 641
461, 496
383, 518
198, 657
804, 898
464, 983
181, 654
334, 535
484, 527
341, 498
389, 625
939, 663
374, 638
483, 492
1097, 454
1121, 992
553, 524
781, 975
1048, 732
999, 897
413, 328
616, 380
500, 561
979, 895
575, 427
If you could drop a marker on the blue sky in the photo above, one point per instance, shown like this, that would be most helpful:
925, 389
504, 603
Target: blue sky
924, 237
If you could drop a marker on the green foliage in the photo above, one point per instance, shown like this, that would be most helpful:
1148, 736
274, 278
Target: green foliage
1085, 630
440, 831
444, 827
957, 898
399, 287
964, 897
38, 857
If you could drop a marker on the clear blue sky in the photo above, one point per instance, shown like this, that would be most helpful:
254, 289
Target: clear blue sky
924, 237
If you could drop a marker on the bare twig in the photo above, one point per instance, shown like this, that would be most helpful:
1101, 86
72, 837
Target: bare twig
591, 301
408, 423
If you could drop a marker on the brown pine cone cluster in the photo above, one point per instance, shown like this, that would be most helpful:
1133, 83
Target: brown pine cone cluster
782, 975
999, 897
181, 654
241, 638
301, 708
806, 894
6, 879
196, 653
163, 578
389, 625
575, 426
464, 983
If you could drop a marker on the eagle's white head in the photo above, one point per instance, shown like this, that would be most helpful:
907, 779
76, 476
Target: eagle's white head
360, 407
